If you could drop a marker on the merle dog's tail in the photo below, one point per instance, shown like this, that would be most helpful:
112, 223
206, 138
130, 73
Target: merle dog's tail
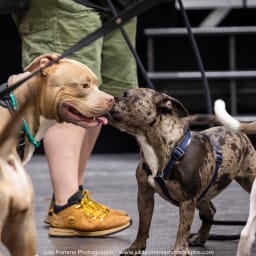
230, 122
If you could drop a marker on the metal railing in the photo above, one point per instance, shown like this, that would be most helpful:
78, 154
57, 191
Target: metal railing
231, 74
206, 4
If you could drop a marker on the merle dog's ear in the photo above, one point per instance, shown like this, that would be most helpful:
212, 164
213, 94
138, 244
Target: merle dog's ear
168, 104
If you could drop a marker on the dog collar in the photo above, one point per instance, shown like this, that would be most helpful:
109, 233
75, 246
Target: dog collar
25, 124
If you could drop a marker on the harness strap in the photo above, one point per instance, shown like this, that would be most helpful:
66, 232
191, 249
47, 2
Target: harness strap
160, 182
218, 162
177, 155
165, 190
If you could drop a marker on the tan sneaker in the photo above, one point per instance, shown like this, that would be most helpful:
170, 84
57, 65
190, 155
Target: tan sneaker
83, 219
47, 219
96, 204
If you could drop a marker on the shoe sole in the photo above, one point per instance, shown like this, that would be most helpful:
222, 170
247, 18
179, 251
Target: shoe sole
61, 232
48, 218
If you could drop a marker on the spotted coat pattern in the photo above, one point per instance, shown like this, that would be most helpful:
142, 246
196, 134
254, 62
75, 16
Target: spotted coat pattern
157, 120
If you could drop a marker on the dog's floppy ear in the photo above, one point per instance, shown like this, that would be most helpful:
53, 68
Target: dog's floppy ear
40, 62
168, 104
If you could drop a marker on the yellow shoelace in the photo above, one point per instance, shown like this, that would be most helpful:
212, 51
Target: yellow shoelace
93, 209
86, 194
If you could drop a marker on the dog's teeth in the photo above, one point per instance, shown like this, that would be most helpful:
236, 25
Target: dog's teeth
94, 119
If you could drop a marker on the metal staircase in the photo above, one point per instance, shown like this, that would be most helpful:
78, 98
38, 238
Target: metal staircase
236, 83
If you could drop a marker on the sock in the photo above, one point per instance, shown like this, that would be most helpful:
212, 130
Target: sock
75, 198
80, 187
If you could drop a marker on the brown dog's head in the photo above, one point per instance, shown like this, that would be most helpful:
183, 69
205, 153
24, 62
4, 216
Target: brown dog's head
70, 92
141, 108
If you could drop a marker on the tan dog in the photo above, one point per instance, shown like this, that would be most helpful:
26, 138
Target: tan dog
17, 226
66, 91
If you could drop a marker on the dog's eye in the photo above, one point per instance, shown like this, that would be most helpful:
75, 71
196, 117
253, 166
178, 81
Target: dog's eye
125, 94
86, 85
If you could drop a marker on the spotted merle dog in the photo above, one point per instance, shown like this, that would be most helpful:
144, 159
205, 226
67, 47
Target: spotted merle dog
185, 167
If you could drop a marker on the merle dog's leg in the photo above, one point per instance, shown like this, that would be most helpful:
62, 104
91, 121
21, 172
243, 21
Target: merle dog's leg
187, 212
145, 200
206, 211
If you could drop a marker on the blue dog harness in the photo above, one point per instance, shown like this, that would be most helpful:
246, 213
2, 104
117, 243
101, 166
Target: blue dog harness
176, 155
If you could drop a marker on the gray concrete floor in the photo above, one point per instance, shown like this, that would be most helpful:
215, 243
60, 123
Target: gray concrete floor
111, 180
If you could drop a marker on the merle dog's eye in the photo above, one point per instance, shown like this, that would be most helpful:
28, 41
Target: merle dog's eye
125, 94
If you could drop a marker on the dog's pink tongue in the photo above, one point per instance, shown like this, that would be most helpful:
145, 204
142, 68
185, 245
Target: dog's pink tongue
103, 120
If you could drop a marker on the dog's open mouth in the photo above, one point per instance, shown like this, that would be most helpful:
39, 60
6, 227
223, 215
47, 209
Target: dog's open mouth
69, 113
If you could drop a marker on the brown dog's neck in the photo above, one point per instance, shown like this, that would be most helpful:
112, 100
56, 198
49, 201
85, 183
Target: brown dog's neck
31, 91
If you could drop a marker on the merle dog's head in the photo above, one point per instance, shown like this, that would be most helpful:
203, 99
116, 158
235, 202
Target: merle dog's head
142, 108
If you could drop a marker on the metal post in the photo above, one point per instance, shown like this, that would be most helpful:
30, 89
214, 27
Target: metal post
232, 83
150, 54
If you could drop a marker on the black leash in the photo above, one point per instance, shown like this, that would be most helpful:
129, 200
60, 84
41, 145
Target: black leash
223, 222
197, 57
111, 24
215, 237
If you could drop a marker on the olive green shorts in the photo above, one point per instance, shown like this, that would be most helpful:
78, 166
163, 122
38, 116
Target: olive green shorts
55, 25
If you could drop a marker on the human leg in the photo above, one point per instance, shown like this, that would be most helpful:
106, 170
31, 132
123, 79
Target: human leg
87, 147
88, 143
119, 72
56, 35
80, 215
63, 143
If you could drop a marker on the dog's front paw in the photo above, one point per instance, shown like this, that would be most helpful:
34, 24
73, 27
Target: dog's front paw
195, 240
133, 250
129, 251
181, 251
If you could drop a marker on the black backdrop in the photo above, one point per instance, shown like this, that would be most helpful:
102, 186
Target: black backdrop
163, 15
